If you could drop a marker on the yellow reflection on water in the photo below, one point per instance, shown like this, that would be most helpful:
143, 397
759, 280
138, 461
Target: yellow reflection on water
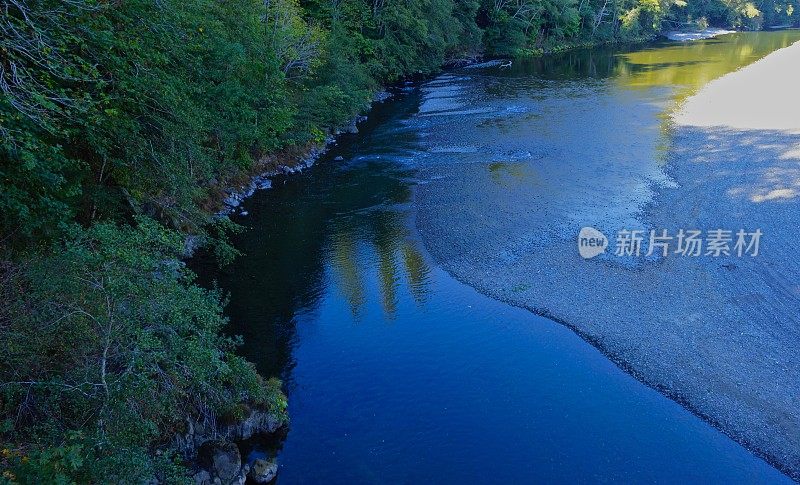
688, 66
386, 248
691, 65
510, 174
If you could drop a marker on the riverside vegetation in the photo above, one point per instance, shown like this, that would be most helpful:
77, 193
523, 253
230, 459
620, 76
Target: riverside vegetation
121, 124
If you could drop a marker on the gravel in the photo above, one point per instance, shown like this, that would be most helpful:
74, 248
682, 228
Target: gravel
720, 335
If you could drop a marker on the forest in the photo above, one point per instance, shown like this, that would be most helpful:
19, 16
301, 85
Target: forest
121, 125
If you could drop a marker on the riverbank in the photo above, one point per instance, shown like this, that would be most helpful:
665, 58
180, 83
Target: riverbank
715, 334
755, 98
735, 157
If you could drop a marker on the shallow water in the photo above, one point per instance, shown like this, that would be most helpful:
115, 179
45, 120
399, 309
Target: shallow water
395, 371
717, 334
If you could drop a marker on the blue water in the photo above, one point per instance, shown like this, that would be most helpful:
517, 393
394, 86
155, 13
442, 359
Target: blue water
398, 373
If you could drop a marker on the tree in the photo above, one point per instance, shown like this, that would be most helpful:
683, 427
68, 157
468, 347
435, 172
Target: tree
107, 341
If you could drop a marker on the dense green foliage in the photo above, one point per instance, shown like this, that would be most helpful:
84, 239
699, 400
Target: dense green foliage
122, 353
121, 122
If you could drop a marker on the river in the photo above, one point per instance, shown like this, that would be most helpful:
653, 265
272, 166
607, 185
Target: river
398, 372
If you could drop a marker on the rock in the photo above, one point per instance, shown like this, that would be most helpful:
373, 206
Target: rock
263, 471
190, 245
257, 422
351, 128
202, 478
382, 96
240, 479
222, 458
697, 34
339, 158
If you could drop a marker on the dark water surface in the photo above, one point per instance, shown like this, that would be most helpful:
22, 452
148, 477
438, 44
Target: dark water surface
398, 373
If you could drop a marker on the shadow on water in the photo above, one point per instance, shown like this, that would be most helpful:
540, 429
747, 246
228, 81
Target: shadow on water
324, 226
